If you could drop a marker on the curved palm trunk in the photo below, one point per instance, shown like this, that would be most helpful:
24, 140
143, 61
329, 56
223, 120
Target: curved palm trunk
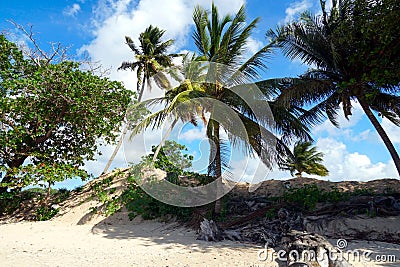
164, 138
121, 139
381, 132
218, 167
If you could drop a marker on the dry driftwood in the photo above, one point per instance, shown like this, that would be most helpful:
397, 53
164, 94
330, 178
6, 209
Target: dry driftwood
312, 250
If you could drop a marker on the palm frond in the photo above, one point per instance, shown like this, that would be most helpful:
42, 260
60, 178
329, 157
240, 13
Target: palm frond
257, 62
388, 106
200, 36
132, 45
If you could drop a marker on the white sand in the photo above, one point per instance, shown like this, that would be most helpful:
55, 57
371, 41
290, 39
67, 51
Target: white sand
145, 244
54, 243
77, 238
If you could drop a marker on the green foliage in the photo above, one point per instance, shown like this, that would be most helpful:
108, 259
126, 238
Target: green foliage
45, 213
172, 159
305, 158
137, 201
11, 201
353, 55
371, 30
52, 113
140, 203
38, 191
270, 214
42, 174
106, 195
370, 213
308, 196
171, 155
78, 189
61, 195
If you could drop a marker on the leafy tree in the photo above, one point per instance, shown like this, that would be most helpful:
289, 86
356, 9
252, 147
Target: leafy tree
344, 48
151, 58
52, 114
306, 159
171, 158
171, 155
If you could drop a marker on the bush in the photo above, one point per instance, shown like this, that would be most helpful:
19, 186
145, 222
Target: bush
308, 196
138, 202
45, 213
9, 202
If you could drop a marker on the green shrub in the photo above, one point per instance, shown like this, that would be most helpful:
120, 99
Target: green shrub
138, 202
61, 195
9, 202
45, 213
308, 196
78, 189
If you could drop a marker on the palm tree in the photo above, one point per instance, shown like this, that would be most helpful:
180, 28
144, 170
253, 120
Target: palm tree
151, 59
327, 43
305, 159
225, 78
223, 41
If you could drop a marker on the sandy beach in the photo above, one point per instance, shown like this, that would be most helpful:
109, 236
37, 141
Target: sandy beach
77, 237
118, 242
145, 244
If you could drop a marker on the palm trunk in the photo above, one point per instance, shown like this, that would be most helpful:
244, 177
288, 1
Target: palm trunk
164, 138
121, 139
381, 132
218, 168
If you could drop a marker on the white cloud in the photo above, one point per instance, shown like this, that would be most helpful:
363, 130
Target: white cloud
364, 136
72, 10
346, 126
193, 134
253, 46
18, 37
344, 165
296, 8
392, 131
112, 20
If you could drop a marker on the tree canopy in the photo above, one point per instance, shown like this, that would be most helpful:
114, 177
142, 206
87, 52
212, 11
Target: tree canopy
53, 114
343, 47
306, 159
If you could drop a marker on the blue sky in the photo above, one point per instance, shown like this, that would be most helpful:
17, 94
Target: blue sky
97, 28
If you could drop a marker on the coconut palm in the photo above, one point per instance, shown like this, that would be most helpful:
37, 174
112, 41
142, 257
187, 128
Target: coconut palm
327, 43
220, 75
306, 159
150, 59
223, 41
